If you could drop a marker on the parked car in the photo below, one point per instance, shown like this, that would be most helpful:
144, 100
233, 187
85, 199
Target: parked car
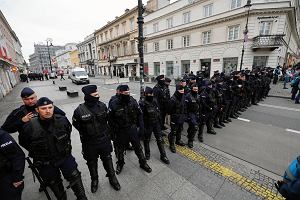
79, 75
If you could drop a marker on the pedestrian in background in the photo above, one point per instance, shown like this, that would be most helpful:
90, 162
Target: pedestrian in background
287, 77
277, 73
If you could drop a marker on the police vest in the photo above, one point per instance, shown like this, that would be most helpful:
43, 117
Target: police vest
194, 104
94, 124
152, 112
125, 115
293, 171
179, 106
48, 146
5, 165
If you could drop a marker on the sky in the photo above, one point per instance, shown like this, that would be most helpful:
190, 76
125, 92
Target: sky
62, 20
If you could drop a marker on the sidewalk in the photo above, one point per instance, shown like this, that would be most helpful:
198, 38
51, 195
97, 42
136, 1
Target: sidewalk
278, 91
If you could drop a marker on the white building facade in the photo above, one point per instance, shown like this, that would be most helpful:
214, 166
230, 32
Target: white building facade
87, 52
63, 58
207, 35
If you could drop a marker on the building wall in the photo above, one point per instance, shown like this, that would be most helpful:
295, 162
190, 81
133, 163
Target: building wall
75, 62
220, 48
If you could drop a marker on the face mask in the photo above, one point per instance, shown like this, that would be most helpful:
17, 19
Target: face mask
125, 98
91, 99
149, 98
161, 82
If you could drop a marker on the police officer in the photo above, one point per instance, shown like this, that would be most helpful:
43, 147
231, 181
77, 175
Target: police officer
18, 117
289, 187
125, 116
90, 119
193, 109
47, 138
151, 115
177, 111
12, 163
207, 104
161, 94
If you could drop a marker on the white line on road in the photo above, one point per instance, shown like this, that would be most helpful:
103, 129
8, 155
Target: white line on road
242, 119
293, 131
280, 107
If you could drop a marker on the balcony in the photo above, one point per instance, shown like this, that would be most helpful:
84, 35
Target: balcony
266, 42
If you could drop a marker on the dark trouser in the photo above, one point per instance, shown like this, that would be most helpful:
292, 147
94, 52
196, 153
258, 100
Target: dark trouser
91, 151
163, 115
52, 177
294, 92
8, 191
123, 136
192, 130
155, 128
176, 130
275, 79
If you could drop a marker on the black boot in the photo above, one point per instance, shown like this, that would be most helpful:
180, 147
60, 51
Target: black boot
217, 126
200, 133
210, 129
222, 124
109, 168
147, 149
120, 156
178, 139
119, 167
161, 148
171, 139
93, 168
142, 160
76, 185
58, 189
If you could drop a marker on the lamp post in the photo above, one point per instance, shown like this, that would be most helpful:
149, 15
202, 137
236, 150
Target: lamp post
141, 45
49, 43
248, 5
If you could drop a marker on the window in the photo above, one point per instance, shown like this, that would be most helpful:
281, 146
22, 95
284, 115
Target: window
117, 30
105, 36
131, 24
170, 44
233, 32
265, 28
206, 37
260, 61
207, 10
145, 48
155, 27
170, 23
132, 43
156, 68
230, 65
156, 46
186, 41
111, 33
236, 4
170, 68
186, 17
123, 27
125, 49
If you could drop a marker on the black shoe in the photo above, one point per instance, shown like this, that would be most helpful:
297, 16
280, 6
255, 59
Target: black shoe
146, 167
129, 147
212, 132
172, 149
114, 182
233, 116
229, 120
180, 143
225, 121
217, 126
285, 88
200, 138
222, 124
164, 159
297, 102
190, 144
119, 168
238, 113
94, 185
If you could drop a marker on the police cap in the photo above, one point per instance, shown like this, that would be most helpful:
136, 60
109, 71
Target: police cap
43, 101
26, 92
89, 89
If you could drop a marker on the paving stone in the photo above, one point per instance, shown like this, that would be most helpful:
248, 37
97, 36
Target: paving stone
190, 192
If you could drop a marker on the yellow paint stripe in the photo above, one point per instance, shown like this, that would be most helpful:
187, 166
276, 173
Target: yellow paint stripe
228, 173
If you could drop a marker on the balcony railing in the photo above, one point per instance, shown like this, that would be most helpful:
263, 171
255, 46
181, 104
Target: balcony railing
271, 42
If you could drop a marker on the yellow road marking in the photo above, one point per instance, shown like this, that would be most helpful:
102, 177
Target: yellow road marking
228, 173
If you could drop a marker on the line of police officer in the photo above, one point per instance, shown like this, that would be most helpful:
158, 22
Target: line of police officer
201, 101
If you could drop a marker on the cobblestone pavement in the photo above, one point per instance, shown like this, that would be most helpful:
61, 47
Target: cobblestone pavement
200, 174
278, 91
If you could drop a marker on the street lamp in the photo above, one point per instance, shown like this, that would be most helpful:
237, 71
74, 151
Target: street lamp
141, 45
49, 43
248, 5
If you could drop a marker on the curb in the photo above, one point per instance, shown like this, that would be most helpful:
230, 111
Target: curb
277, 96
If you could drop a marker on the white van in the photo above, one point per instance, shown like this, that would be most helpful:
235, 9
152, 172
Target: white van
79, 75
